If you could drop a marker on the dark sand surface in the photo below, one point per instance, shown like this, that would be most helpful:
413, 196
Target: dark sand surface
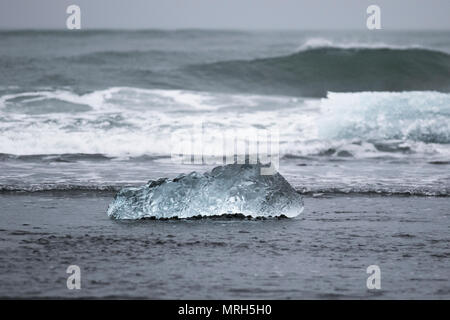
323, 254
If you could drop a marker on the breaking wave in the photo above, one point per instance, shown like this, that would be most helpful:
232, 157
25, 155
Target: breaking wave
315, 43
321, 67
386, 116
132, 122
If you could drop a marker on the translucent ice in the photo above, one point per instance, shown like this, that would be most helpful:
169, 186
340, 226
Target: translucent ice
231, 189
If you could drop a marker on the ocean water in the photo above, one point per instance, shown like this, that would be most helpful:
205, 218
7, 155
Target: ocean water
356, 111
364, 130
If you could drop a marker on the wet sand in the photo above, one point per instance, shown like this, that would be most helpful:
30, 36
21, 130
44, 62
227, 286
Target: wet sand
322, 254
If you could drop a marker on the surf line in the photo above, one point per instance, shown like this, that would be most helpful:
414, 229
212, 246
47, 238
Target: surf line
189, 310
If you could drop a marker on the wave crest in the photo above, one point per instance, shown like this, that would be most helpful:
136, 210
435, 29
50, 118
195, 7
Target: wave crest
315, 43
315, 71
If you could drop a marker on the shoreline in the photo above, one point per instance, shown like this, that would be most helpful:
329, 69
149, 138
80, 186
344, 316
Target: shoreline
111, 191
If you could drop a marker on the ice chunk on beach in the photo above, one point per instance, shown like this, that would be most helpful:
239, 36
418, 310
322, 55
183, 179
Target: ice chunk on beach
231, 189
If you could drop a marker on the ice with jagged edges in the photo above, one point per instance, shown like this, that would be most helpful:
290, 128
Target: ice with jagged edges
231, 189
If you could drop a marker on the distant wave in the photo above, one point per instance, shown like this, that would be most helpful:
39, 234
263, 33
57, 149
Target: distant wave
317, 69
315, 43
133, 56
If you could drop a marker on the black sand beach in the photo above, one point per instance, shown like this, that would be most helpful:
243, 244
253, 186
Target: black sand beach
323, 254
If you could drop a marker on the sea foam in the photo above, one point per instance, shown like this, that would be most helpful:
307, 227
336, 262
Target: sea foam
131, 122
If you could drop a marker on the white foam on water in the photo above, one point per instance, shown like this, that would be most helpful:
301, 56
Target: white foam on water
123, 121
417, 116
316, 43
